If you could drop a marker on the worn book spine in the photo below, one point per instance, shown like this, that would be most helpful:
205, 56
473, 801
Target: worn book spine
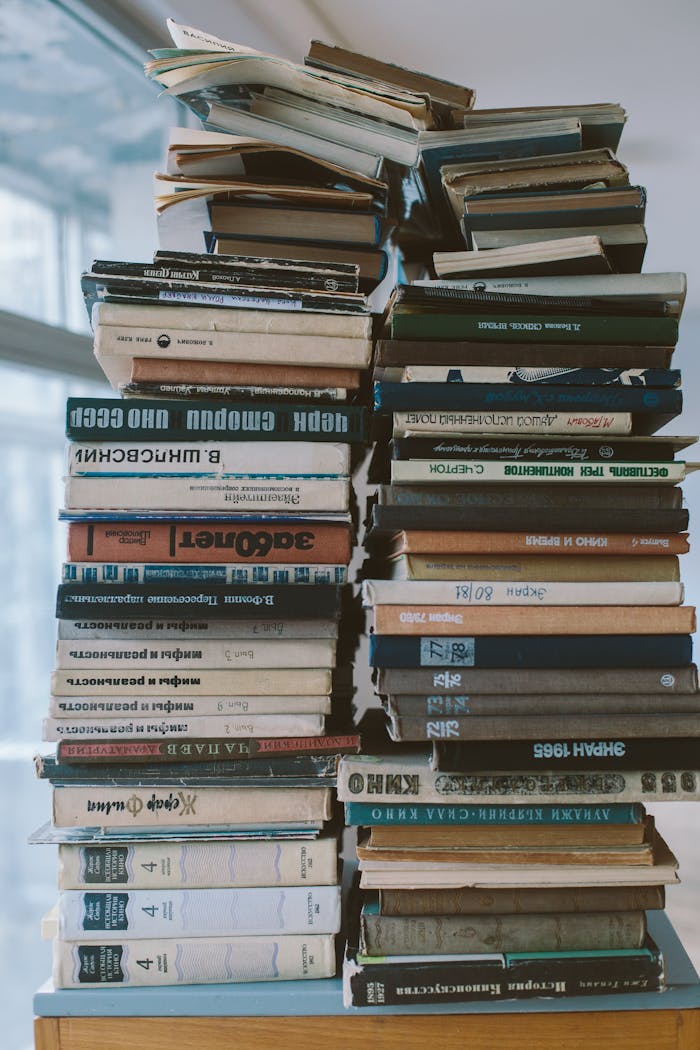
191, 493
104, 419
143, 706
666, 681
178, 961
214, 653
182, 726
408, 781
418, 422
148, 572
146, 369
229, 392
198, 864
89, 915
452, 935
147, 628
153, 806
531, 651
440, 705
529, 900
603, 736
399, 397
231, 749
576, 375
456, 353
442, 471
508, 495
163, 316
537, 448
511, 858
545, 328
178, 684
205, 601
206, 458
294, 770
244, 271
400, 813
428, 596
626, 743
452, 569
452, 620
391, 519
511, 837
583, 543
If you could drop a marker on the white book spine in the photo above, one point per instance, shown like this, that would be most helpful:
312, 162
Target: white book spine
653, 286
182, 726
215, 653
433, 421
198, 864
125, 807
139, 682
163, 318
146, 572
88, 916
519, 592
457, 471
177, 629
213, 494
207, 458
199, 706
214, 960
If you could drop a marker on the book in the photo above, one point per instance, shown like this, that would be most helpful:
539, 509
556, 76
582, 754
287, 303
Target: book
665, 681
203, 864
146, 572
602, 739
182, 726
631, 744
247, 319
389, 519
530, 651
450, 620
439, 705
89, 915
118, 807
168, 961
575, 543
243, 749
186, 683
246, 219
552, 496
584, 254
209, 653
601, 123
515, 836
227, 392
373, 264
512, 568
448, 814
624, 244
599, 206
297, 770
421, 597
179, 628
449, 471
174, 370
575, 899
62, 707
576, 375
432, 421
408, 779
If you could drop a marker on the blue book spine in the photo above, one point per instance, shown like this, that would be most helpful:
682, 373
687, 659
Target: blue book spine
623, 650
370, 813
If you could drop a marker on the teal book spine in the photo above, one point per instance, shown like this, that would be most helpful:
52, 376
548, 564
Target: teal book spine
410, 815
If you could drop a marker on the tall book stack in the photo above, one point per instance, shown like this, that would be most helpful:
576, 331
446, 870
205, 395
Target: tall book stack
530, 647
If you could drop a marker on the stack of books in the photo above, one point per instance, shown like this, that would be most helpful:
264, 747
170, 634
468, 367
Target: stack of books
528, 628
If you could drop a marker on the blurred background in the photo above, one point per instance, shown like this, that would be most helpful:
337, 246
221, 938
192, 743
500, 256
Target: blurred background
81, 132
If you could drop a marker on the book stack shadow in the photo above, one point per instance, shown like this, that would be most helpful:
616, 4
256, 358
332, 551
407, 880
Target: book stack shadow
203, 687
529, 643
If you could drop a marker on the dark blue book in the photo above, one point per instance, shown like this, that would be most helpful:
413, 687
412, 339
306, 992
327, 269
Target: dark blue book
610, 753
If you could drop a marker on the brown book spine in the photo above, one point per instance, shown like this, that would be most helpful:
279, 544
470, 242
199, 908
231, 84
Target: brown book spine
528, 620
428, 836
442, 705
526, 681
149, 369
190, 542
470, 901
553, 543
545, 727
409, 352
495, 567
203, 750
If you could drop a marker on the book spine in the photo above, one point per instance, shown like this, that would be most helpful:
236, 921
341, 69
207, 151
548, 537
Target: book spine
625, 569
104, 419
628, 743
147, 572
528, 518
205, 600
459, 353
666, 681
537, 448
506, 496
451, 620
207, 494
198, 961
410, 814
243, 749
256, 543
390, 594
153, 806
435, 422
246, 273
392, 397
221, 391
547, 328
392, 782
604, 735
183, 726
295, 770
146, 369
439, 705
449, 471
382, 935
198, 865
92, 914
576, 375
231, 706
205, 459
205, 654
162, 317
505, 901
138, 683
147, 628
531, 651
569, 543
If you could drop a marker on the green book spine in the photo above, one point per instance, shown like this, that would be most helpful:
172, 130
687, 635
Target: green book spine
529, 328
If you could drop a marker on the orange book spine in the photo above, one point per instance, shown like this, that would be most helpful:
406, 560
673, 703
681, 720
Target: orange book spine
170, 370
191, 542
504, 620
411, 542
